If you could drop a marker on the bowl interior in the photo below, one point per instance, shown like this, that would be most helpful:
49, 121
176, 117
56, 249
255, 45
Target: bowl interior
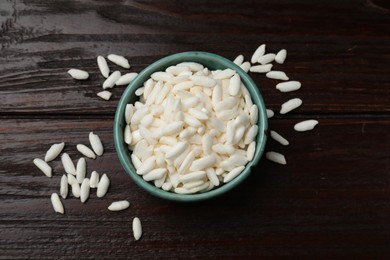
213, 62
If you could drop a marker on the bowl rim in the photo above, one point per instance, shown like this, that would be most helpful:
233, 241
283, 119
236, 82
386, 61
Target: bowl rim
119, 123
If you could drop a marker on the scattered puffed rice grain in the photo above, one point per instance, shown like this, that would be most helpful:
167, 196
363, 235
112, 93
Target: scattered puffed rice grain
245, 66
57, 204
224, 149
147, 135
253, 114
235, 85
281, 56
194, 66
238, 160
172, 128
181, 190
233, 174
193, 184
290, 105
119, 60
261, 68
96, 144
147, 166
192, 176
54, 151
127, 136
204, 81
186, 162
137, 228
167, 186
159, 182
288, 86
270, 113
230, 129
226, 165
155, 174
76, 189
267, 58
276, 157
251, 134
71, 179
94, 179
280, 75
200, 187
212, 176
81, 170
68, 164
250, 152
102, 187
136, 161
126, 78
305, 125
84, 190
176, 70
224, 74
43, 166
277, 137
162, 76
103, 66
139, 114
129, 113
258, 53
238, 139
111, 80
207, 143
78, 74
239, 60
177, 149
85, 150
64, 186
203, 163
119, 205
106, 95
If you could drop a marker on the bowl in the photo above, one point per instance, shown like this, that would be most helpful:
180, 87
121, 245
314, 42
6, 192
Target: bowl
213, 62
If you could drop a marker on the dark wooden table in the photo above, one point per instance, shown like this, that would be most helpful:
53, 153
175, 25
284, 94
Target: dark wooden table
332, 199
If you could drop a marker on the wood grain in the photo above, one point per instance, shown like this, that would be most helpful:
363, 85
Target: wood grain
323, 202
330, 200
41, 41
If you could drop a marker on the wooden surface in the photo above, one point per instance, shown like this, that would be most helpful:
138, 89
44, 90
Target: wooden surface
332, 199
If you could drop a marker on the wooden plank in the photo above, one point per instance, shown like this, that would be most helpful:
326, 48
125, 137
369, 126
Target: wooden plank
330, 200
343, 68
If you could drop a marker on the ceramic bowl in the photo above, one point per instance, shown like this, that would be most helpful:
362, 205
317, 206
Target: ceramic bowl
213, 62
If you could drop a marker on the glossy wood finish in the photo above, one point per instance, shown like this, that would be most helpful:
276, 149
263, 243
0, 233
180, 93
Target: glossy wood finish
330, 200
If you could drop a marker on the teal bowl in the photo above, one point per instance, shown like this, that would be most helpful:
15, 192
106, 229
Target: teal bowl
213, 62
